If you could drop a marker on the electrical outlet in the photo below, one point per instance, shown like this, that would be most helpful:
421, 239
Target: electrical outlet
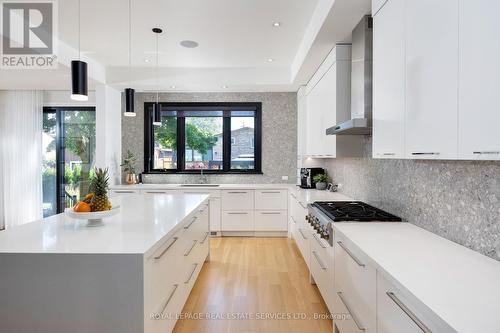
284, 177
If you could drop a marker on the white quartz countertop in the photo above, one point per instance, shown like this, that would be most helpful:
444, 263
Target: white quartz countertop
140, 224
459, 285
201, 186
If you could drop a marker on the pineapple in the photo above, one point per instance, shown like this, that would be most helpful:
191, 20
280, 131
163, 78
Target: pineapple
99, 187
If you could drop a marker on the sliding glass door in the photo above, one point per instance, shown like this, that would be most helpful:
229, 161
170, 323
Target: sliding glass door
69, 140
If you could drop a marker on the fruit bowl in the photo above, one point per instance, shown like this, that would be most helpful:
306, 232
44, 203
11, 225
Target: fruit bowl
93, 218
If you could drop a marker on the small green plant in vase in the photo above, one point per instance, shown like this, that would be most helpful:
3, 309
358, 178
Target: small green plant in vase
321, 181
128, 165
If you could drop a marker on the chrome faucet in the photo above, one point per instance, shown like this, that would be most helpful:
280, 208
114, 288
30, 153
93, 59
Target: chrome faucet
203, 178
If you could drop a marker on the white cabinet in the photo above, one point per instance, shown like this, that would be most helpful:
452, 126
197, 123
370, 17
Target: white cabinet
215, 206
238, 221
431, 79
328, 103
301, 121
355, 288
238, 200
398, 313
270, 199
322, 268
389, 80
479, 72
270, 221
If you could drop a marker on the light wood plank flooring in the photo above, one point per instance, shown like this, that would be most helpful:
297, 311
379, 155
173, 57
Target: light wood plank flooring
254, 277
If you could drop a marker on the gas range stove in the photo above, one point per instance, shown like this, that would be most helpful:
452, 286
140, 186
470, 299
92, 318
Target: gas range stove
323, 213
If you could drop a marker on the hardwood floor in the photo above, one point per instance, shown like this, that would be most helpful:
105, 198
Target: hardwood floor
254, 277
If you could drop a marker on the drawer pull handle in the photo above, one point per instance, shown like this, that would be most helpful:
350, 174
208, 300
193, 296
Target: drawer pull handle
356, 260
486, 152
302, 233
408, 312
318, 259
354, 318
167, 248
388, 154
300, 203
169, 298
191, 223
123, 191
237, 192
293, 195
271, 192
205, 238
293, 220
239, 213
271, 213
188, 252
192, 273
425, 153
155, 192
316, 237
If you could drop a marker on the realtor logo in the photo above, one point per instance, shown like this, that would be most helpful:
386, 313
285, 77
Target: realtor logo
28, 34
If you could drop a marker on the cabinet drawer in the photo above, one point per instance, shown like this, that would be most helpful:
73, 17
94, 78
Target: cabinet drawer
302, 238
238, 221
356, 281
322, 268
397, 313
215, 214
270, 200
238, 200
271, 221
346, 320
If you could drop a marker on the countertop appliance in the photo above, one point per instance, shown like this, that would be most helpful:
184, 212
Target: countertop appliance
321, 215
306, 176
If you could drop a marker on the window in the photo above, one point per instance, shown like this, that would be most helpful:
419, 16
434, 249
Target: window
216, 138
68, 141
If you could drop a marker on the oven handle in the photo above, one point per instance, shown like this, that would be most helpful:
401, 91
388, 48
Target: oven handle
319, 241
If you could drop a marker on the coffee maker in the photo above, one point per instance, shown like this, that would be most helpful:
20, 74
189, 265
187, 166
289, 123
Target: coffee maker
306, 176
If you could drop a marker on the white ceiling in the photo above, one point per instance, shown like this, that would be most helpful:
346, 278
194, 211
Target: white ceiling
236, 38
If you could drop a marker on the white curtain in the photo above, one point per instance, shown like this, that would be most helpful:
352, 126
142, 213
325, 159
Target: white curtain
21, 115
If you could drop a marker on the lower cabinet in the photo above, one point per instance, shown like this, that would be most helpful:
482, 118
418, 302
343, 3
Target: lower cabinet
355, 290
271, 221
238, 221
167, 289
322, 268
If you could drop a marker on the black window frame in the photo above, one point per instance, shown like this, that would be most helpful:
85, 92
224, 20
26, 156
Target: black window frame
226, 130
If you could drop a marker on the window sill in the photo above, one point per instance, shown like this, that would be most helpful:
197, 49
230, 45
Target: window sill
197, 173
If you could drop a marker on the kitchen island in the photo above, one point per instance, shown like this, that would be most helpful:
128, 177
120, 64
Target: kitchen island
131, 274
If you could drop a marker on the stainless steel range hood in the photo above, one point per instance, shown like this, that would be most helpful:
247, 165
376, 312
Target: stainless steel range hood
361, 83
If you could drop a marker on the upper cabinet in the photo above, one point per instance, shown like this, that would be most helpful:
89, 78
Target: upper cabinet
441, 104
389, 81
431, 79
328, 96
479, 73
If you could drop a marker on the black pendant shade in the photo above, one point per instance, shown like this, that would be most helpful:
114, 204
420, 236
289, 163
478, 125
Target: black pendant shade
79, 81
129, 102
156, 114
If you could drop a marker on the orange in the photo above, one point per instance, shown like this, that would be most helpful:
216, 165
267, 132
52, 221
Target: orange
82, 207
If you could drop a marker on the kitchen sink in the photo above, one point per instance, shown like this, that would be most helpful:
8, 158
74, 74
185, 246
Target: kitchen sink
200, 185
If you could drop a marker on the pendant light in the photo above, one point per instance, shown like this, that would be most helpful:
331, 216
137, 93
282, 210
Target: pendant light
129, 92
156, 106
79, 78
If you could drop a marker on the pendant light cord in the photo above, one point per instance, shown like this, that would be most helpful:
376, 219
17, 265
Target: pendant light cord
157, 84
79, 36
129, 42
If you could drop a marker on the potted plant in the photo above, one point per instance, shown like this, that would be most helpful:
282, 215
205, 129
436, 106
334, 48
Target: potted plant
128, 166
321, 180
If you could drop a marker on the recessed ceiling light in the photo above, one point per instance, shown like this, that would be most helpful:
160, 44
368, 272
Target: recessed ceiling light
190, 44
270, 59
277, 24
